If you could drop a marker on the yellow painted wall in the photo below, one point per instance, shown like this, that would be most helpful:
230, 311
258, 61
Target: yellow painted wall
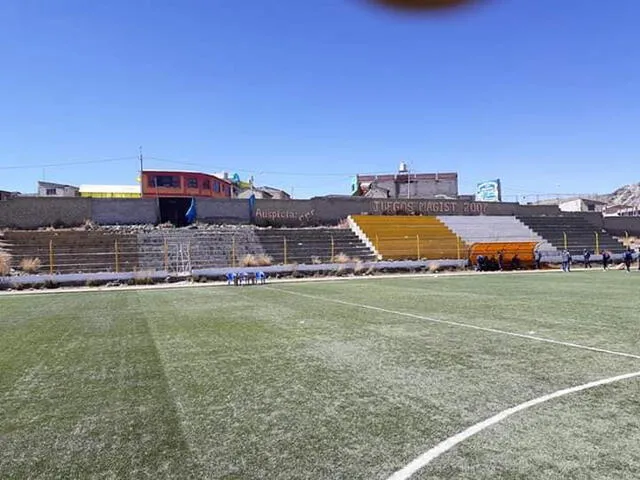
110, 195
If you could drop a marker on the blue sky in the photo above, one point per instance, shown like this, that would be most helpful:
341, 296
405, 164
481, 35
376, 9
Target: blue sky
544, 94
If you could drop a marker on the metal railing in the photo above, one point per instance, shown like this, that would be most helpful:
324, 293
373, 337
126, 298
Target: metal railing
176, 255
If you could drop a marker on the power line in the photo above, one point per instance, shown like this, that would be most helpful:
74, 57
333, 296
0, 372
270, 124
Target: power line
65, 164
263, 172
191, 164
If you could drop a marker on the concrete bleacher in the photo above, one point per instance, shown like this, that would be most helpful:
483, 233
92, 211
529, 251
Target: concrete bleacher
580, 233
496, 229
370, 237
308, 245
73, 251
178, 250
409, 237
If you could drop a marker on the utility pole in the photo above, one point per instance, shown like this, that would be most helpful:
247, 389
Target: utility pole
141, 167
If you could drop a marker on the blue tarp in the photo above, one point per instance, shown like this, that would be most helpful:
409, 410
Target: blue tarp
252, 206
191, 214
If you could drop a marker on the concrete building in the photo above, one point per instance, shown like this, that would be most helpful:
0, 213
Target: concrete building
5, 195
575, 204
405, 184
581, 205
621, 211
264, 192
50, 189
183, 184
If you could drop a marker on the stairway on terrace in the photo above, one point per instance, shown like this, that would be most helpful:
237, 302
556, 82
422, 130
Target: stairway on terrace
308, 245
181, 250
401, 237
493, 229
580, 233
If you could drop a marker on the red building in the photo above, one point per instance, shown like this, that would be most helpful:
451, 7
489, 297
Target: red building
163, 184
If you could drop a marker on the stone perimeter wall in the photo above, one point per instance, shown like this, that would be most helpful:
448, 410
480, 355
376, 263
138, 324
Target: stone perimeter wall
34, 212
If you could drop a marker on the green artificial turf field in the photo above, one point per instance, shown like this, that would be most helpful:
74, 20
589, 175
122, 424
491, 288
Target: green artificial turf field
341, 379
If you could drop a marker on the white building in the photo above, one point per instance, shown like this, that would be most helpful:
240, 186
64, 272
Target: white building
621, 211
50, 189
581, 205
575, 204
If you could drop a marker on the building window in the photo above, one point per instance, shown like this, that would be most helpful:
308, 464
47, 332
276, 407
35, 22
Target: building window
591, 207
206, 185
192, 182
51, 191
216, 187
164, 181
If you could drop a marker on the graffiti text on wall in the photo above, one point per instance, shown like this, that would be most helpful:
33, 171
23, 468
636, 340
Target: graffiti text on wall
427, 207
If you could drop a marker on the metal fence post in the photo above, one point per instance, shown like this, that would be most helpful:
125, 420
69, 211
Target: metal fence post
284, 246
189, 256
333, 249
597, 242
117, 256
166, 255
51, 259
564, 235
233, 251
418, 245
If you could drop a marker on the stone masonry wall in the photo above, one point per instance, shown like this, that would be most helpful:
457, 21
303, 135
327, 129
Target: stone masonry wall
28, 213
35, 212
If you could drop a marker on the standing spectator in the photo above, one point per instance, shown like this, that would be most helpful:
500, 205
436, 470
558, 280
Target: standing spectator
500, 260
628, 258
587, 258
566, 261
605, 260
537, 256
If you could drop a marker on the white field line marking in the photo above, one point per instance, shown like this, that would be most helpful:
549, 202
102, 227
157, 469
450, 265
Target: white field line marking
446, 445
178, 285
430, 455
459, 324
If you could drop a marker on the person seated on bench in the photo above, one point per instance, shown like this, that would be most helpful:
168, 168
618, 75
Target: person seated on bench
515, 262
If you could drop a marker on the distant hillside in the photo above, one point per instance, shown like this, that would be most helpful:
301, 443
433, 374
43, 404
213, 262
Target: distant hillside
627, 195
